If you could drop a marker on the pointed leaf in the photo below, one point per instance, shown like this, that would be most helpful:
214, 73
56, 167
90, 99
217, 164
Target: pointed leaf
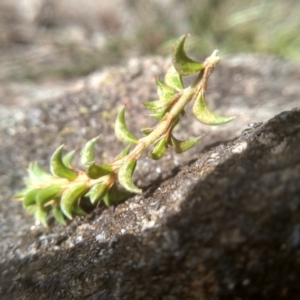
97, 192
146, 130
70, 197
156, 106
41, 215
21, 194
107, 199
67, 158
125, 176
58, 168
36, 173
31, 209
205, 115
164, 91
48, 194
174, 79
96, 171
114, 194
159, 149
121, 130
123, 153
182, 63
87, 152
79, 211
58, 215
30, 198
157, 115
181, 146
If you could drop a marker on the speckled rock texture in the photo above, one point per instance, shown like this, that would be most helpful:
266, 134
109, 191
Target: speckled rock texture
219, 222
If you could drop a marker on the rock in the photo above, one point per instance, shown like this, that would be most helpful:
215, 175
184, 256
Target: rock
221, 221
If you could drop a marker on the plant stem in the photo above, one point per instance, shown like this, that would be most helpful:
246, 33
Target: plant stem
165, 123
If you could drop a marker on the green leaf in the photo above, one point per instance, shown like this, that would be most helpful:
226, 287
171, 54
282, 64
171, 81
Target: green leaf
158, 115
123, 153
205, 115
114, 195
121, 130
48, 193
156, 106
70, 197
58, 215
41, 215
174, 79
160, 107
146, 130
125, 176
30, 198
182, 63
97, 192
107, 199
58, 168
164, 91
96, 171
87, 152
67, 158
31, 209
79, 211
21, 194
159, 149
37, 174
181, 146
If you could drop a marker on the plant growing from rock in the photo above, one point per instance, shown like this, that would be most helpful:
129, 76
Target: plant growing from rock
61, 193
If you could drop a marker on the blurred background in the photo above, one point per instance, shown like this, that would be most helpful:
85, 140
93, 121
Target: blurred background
59, 39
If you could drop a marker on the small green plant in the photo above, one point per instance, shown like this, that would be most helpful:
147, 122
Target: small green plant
61, 193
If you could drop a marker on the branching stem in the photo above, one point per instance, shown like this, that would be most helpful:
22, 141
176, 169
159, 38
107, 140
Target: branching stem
188, 94
61, 193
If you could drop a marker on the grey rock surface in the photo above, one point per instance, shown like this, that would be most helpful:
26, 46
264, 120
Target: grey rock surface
220, 222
